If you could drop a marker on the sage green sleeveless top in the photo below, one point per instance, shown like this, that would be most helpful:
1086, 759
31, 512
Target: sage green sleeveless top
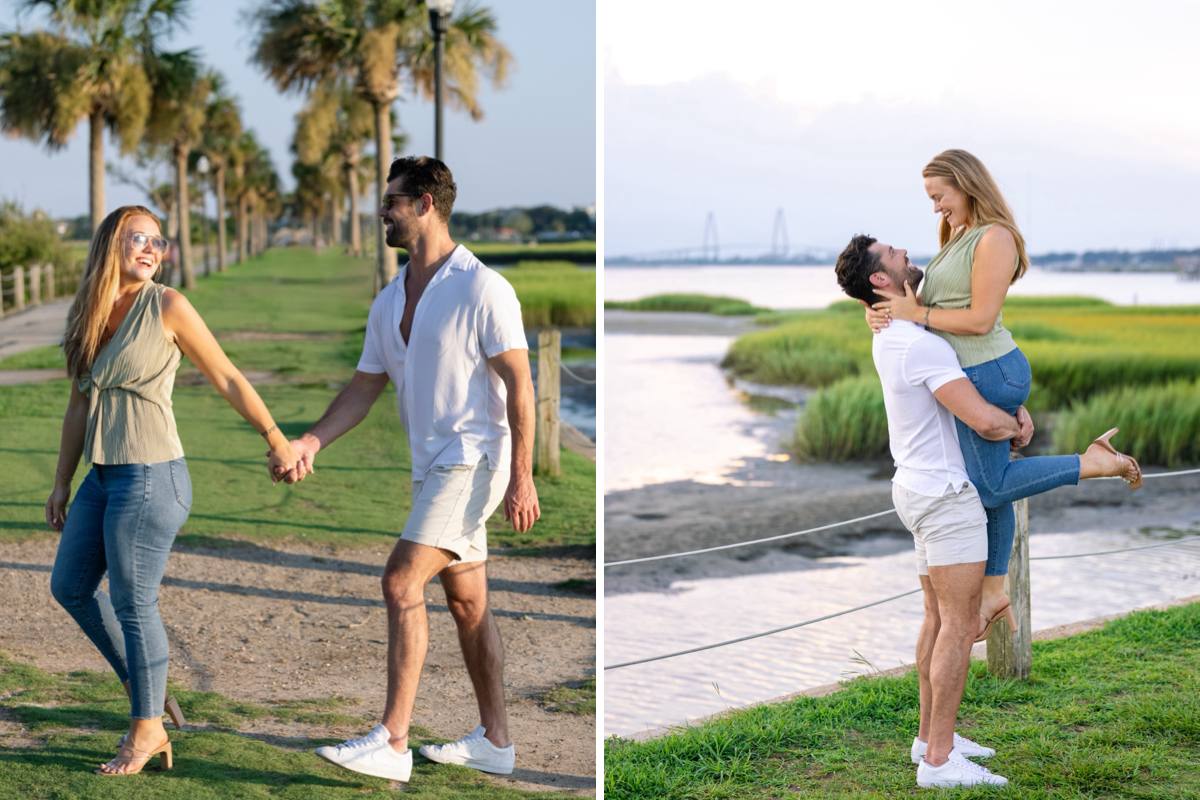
130, 419
947, 284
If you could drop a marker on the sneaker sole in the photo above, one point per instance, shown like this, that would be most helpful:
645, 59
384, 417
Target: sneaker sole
491, 769
373, 773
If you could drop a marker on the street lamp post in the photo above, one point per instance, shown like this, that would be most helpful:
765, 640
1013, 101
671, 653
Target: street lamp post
439, 20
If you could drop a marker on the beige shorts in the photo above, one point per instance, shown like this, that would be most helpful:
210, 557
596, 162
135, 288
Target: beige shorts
451, 505
951, 529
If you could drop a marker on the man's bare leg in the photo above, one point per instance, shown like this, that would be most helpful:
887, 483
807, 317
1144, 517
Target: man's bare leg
957, 588
479, 636
929, 632
409, 569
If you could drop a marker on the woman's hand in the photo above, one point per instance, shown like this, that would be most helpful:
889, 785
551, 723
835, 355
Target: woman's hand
878, 320
281, 460
901, 306
56, 506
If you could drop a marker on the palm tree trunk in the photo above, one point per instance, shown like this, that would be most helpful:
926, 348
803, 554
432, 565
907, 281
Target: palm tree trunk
96, 168
243, 231
385, 261
219, 176
185, 227
335, 221
355, 225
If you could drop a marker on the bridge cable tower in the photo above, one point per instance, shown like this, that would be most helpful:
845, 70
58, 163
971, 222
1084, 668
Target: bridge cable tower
779, 236
711, 250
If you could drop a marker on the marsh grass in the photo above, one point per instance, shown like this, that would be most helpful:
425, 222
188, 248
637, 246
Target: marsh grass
554, 293
1113, 713
1079, 349
843, 422
1158, 423
697, 303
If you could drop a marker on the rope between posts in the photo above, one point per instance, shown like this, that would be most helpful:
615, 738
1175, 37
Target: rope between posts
760, 634
818, 529
773, 631
564, 368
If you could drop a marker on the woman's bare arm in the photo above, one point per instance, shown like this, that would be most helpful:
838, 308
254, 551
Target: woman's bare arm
991, 275
70, 449
184, 324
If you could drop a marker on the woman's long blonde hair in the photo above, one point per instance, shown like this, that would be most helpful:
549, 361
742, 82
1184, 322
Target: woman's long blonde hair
98, 289
985, 204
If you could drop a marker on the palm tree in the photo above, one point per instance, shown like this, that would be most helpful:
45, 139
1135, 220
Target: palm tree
302, 43
90, 66
218, 136
180, 92
334, 123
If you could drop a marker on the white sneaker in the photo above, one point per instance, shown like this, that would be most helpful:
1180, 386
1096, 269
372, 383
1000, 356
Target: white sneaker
351, 748
962, 744
475, 751
957, 771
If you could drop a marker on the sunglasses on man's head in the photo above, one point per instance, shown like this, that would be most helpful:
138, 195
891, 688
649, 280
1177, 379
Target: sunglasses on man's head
157, 243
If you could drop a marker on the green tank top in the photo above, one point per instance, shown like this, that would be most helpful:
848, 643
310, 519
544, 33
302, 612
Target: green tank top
130, 419
947, 284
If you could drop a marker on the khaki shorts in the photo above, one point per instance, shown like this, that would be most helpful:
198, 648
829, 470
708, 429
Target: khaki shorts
451, 505
951, 529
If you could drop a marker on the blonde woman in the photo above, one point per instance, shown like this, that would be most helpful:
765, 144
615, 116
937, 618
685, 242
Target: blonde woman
125, 335
982, 254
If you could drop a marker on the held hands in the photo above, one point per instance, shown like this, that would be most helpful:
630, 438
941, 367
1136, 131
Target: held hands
305, 448
56, 506
1026, 433
281, 462
521, 503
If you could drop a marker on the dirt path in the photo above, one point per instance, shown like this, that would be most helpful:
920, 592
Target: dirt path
262, 624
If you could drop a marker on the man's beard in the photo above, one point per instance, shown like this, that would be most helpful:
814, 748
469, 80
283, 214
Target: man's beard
914, 277
393, 237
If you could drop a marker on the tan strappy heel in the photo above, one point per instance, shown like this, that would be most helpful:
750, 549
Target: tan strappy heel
132, 755
1136, 481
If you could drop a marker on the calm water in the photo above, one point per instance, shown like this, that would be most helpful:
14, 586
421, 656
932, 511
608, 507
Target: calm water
816, 287
671, 415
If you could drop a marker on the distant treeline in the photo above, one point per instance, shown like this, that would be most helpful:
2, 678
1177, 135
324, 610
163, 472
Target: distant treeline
544, 223
1148, 260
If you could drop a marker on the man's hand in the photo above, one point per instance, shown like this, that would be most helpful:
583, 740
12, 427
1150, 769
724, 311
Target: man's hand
305, 448
1026, 423
521, 503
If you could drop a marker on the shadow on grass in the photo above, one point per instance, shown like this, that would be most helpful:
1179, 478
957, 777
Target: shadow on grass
312, 597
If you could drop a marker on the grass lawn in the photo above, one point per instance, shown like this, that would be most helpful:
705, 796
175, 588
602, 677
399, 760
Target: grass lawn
1113, 713
360, 490
58, 728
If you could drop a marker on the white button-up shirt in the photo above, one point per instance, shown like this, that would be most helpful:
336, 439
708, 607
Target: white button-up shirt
913, 364
451, 403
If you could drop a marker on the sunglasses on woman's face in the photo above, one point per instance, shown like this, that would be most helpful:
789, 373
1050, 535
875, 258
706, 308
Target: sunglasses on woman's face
157, 243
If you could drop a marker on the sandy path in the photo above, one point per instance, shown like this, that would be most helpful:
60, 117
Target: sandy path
262, 624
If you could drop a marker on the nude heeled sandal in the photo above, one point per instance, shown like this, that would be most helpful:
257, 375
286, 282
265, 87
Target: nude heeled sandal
1136, 481
132, 755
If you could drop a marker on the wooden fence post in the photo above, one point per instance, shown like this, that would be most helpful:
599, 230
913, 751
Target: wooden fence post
1009, 652
18, 288
50, 288
35, 285
549, 383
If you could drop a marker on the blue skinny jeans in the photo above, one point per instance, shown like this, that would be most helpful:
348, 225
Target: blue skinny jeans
1005, 382
123, 522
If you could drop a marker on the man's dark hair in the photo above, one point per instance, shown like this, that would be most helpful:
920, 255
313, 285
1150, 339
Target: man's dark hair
855, 266
427, 175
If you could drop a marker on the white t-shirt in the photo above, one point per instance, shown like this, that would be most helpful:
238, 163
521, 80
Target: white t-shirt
452, 404
913, 364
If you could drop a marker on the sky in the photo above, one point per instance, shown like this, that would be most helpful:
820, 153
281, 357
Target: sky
535, 145
1086, 114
